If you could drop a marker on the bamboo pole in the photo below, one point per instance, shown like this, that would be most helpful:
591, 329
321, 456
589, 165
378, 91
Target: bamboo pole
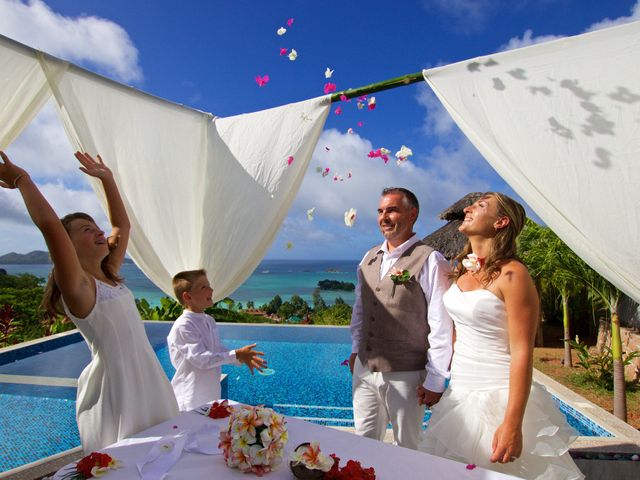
378, 87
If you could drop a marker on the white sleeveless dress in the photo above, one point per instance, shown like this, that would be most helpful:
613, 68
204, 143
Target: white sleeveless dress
466, 417
123, 390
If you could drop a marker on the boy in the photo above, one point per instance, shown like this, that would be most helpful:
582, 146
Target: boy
194, 344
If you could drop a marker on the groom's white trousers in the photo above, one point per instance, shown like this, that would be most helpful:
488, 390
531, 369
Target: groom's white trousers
380, 398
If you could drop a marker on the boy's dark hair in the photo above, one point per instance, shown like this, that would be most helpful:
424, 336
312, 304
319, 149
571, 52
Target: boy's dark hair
409, 197
184, 281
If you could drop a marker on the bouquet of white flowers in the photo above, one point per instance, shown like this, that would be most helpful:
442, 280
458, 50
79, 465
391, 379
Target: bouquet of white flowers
255, 439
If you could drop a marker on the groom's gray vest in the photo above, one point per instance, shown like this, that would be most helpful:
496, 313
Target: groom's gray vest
394, 324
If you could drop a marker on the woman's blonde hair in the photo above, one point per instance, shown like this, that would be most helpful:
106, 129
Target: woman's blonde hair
504, 246
51, 299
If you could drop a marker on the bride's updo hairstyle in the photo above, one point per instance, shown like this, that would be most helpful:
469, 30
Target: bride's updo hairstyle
504, 246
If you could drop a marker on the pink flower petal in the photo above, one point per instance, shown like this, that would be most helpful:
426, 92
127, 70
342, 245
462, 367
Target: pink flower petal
262, 81
360, 124
283, 51
290, 22
338, 111
329, 87
362, 98
343, 98
471, 466
290, 160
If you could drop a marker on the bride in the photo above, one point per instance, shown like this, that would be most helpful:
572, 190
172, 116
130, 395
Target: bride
492, 415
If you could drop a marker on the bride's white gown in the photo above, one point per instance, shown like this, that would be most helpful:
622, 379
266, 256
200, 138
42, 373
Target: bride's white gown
464, 420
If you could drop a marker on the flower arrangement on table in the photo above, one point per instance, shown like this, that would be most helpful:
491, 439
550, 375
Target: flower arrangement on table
399, 277
95, 464
307, 462
254, 440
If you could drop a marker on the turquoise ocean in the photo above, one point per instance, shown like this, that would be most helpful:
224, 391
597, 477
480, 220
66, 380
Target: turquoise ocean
282, 277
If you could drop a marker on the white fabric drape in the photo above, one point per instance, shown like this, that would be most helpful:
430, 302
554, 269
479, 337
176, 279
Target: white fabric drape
560, 122
200, 191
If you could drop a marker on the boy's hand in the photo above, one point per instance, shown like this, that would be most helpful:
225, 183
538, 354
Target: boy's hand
251, 358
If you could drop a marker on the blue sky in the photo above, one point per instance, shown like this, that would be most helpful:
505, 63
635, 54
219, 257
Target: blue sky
206, 54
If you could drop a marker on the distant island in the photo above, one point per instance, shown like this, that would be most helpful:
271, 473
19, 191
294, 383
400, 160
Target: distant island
37, 257
336, 285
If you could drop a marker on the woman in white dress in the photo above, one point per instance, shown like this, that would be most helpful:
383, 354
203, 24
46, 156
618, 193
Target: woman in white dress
123, 390
492, 414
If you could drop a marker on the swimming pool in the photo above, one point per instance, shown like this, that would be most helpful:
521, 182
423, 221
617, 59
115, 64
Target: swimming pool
38, 419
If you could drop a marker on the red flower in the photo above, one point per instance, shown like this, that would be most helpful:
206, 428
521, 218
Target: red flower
329, 87
219, 410
95, 459
351, 471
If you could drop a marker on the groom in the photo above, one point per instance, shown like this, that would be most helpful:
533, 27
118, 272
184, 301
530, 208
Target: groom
400, 331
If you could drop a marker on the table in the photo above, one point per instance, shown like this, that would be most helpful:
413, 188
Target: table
390, 462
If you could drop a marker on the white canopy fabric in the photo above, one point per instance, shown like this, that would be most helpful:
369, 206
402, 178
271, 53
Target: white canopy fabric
560, 122
201, 191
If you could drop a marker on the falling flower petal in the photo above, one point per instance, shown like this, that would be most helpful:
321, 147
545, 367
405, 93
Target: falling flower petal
328, 72
289, 245
362, 98
343, 98
283, 51
350, 217
385, 151
293, 55
471, 466
262, 81
349, 175
335, 178
360, 124
404, 153
350, 131
326, 172
290, 160
329, 87
327, 149
281, 31
310, 214
372, 103
360, 105
338, 111
345, 363
289, 22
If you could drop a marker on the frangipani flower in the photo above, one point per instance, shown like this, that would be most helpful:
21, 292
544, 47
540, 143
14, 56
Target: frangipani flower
293, 55
311, 457
283, 51
262, 81
281, 31
372, 103
329, 87
350, 217
310, 214
404, 153
473, 263
350, 131
289, 22
328, 72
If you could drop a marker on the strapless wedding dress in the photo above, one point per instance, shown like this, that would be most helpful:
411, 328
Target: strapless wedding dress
466, 417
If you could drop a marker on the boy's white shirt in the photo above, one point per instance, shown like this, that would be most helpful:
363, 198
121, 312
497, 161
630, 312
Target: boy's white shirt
197, 354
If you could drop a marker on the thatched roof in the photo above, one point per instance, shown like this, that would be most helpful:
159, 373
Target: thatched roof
447, 239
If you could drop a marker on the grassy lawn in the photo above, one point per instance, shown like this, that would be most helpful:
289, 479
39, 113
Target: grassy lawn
548, 361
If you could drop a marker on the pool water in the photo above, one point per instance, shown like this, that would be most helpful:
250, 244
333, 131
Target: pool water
309, 381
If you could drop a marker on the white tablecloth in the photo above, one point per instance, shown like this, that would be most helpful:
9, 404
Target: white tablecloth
390, 462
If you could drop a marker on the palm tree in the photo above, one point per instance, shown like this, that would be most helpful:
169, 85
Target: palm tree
556, 266
605, 292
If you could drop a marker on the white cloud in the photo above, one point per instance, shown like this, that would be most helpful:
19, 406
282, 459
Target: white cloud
527, 40
607, 22
85, 39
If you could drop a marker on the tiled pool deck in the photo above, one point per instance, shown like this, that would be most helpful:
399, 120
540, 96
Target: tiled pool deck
58, 380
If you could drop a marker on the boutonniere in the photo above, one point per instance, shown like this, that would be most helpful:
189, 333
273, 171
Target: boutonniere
399, 277
473, 263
